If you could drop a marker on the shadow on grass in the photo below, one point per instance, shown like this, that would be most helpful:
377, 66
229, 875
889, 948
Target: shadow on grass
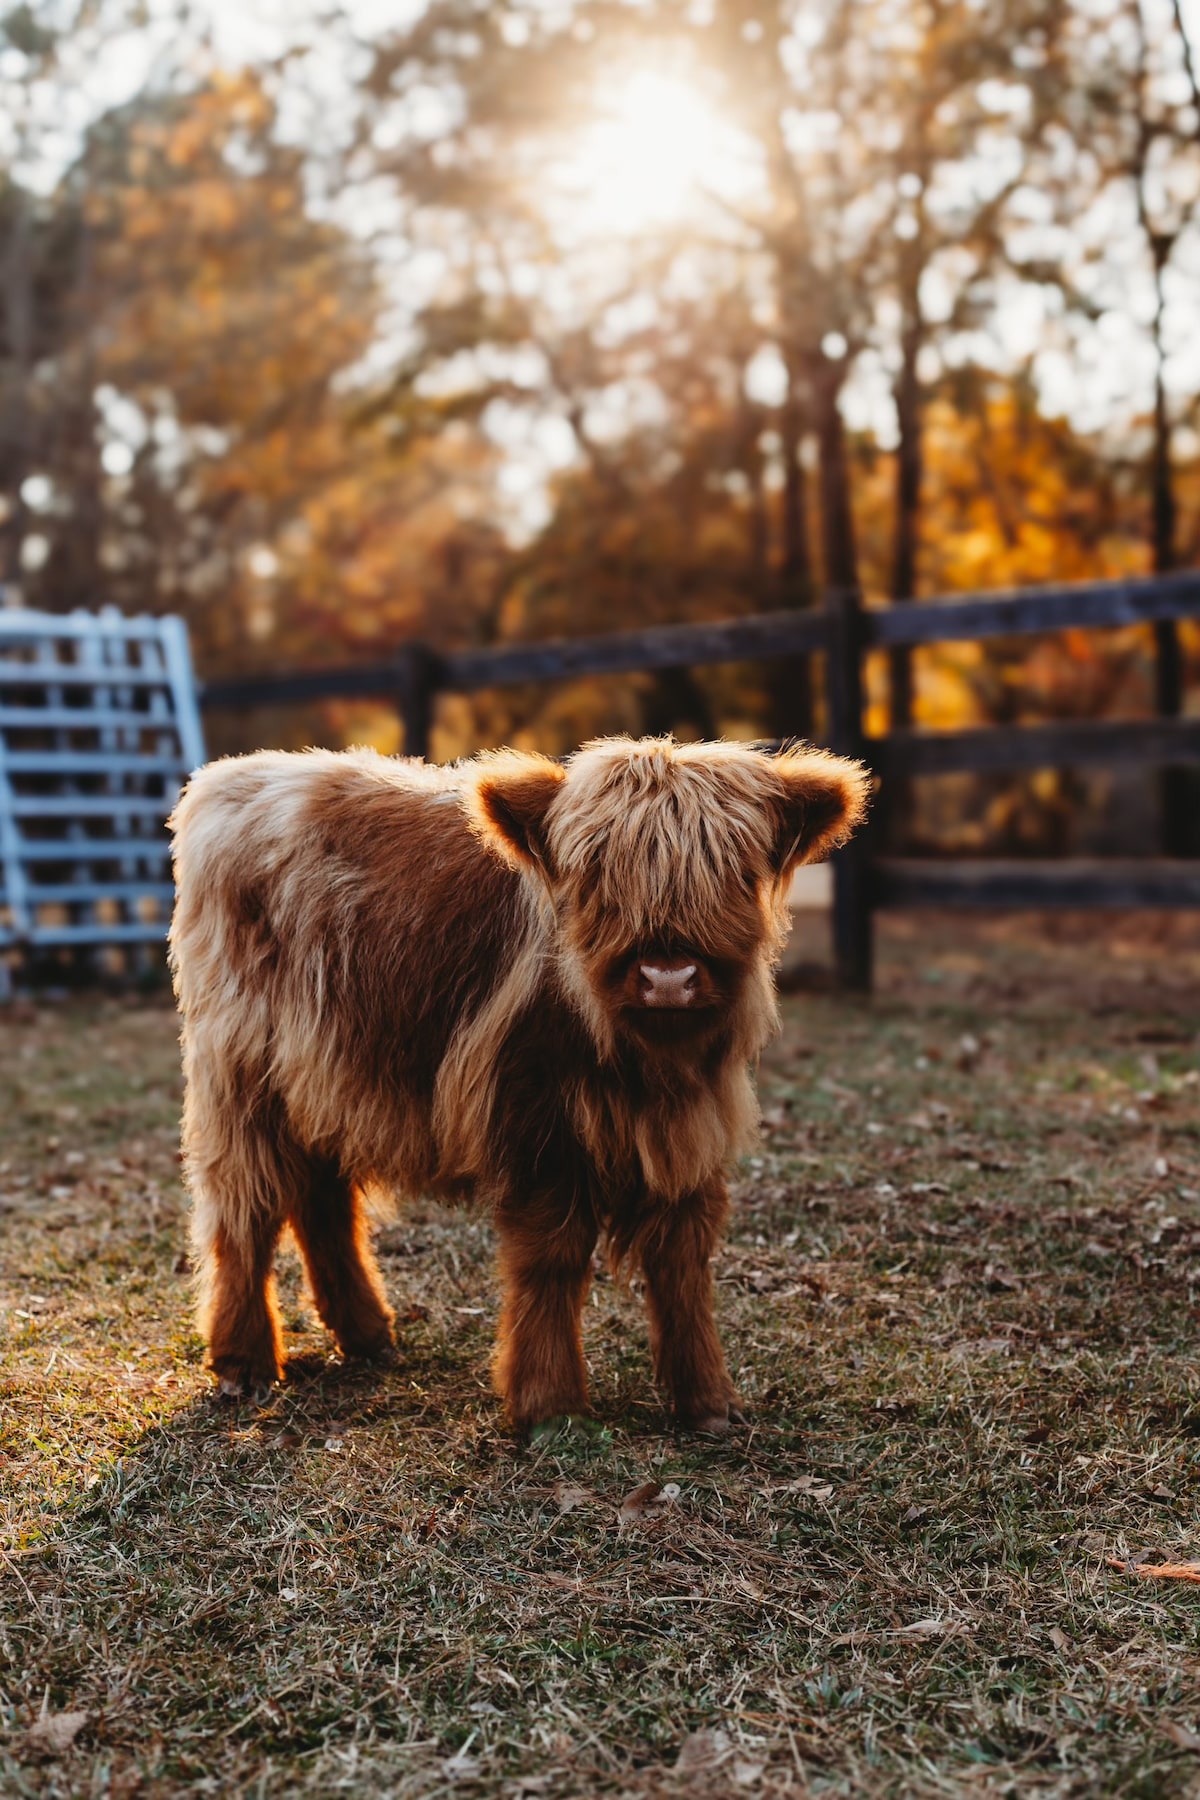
365, 1580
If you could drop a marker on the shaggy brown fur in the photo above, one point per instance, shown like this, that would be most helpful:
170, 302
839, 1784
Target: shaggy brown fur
535, 986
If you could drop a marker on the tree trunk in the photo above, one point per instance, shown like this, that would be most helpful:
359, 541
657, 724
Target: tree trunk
760, 524
908, 503
839, 554
789, 683
796, 585
673, 700
76, 575
1180, 798
1179, 790
15, 448
899, 802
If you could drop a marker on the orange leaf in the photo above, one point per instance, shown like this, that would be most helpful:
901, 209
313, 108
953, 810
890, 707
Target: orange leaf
1185, 1571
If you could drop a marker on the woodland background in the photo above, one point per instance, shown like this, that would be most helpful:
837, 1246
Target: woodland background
332, 327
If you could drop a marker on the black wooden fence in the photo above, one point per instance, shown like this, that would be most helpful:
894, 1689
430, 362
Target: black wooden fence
843, 630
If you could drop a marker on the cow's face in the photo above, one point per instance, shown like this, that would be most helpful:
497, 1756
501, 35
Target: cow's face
667, 866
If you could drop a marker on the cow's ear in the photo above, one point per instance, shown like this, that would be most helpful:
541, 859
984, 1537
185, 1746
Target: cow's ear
511, 798
823, 799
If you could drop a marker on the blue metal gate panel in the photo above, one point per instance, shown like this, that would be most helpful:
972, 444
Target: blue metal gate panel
99, 728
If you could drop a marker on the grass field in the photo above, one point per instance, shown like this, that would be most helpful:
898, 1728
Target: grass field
960, 1298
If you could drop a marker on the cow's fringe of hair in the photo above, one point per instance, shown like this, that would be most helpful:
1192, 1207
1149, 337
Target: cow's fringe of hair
679, 824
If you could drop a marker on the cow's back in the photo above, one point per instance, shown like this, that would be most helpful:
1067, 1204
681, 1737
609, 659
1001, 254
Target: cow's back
340, 938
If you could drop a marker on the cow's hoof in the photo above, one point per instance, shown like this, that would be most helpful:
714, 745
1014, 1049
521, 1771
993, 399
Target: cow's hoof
232, 1387
715, 1424
238, 1380
577, 1423
374, 1347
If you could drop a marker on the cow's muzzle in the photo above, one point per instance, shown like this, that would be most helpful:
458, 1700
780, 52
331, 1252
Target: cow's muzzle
672, 984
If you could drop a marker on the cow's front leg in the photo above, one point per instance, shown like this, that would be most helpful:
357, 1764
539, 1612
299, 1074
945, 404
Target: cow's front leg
688, 1357
545, 1268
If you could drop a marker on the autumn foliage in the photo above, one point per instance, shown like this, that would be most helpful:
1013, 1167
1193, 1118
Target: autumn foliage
512, 323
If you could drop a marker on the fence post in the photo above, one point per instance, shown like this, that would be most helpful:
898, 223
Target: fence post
1178, 786
852, 935
419, 683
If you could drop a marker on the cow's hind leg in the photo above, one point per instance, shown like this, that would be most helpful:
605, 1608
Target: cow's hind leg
239, 1313
545, 1268
243, 1170
330, 1225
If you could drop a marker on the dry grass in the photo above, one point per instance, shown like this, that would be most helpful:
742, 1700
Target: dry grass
960, 1297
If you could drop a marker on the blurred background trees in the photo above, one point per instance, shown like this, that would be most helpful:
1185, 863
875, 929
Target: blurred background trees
525, 319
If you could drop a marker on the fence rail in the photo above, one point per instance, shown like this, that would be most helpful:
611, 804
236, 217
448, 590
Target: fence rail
1075, 882
1087, 605
842, 631
1070, 744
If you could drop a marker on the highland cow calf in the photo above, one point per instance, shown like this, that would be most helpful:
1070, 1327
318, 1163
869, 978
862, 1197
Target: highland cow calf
534, 986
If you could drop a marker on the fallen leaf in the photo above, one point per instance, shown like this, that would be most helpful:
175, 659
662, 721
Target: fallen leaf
1180, 1735
647, 1502
702, 1749
984, 1347
53, 1734
812, 1485
763, 1281
746, 1774
462, 1768
572, 1584
569, 1496
1059, 1638
924, 1628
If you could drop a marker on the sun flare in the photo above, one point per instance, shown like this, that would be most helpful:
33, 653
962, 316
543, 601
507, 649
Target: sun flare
655, 150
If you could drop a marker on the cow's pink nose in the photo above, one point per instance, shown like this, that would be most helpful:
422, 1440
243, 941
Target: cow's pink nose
673, 986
